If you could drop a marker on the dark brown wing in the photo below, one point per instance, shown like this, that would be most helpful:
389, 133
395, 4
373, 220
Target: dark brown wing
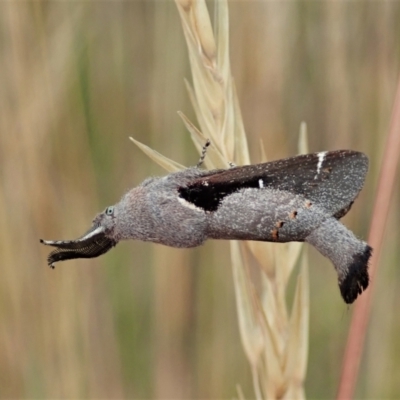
330, 179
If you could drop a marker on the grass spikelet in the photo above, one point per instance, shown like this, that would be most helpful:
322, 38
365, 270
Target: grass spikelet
164, 162
275, 341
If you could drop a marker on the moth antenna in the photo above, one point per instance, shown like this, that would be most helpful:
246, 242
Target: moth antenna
92, 244
203, 153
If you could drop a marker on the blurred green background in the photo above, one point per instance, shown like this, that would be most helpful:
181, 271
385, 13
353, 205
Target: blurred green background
145, 321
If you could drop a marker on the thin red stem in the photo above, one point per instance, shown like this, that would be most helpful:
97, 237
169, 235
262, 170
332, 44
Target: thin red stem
362, 309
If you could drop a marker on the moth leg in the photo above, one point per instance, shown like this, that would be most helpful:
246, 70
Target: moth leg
231, 164
348, 254
203, 153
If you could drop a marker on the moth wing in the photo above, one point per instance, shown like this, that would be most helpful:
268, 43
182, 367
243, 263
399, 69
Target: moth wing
330, 179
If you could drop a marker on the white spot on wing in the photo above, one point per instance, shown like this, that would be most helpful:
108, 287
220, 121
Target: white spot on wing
260, 183
189, 205
321, 157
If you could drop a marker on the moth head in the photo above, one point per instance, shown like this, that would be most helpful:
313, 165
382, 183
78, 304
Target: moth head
95, 242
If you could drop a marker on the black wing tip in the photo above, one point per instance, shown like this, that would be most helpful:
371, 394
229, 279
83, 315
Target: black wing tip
357, 278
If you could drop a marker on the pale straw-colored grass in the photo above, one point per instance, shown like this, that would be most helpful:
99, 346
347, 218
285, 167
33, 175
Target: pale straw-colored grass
46, 346
275, 340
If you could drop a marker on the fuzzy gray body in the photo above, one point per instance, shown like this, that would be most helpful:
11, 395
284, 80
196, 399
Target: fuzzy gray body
154, 202
296, 199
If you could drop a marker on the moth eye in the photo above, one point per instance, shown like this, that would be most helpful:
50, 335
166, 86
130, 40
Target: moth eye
110, 210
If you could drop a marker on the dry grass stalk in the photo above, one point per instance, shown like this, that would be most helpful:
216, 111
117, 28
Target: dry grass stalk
275, 343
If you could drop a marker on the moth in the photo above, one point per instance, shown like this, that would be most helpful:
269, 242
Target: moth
300, 199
